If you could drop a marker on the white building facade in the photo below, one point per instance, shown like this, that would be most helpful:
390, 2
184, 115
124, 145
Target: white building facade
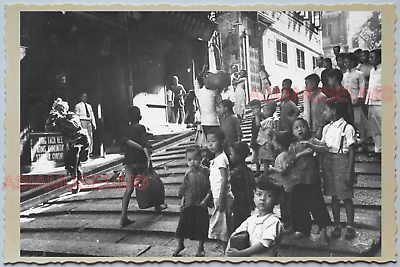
287, 43
290, 47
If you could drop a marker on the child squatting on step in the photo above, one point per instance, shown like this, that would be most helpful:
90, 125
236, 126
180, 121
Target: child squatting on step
195, 192
264, 227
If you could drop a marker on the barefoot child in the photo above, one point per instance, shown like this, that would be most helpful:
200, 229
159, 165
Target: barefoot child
195, 191
338, 138
243, 183
306, 179
137, 157
264, 227
220, 221
280, 172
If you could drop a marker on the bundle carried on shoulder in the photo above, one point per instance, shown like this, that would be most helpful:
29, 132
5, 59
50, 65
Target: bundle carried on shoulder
150, 191
218, 80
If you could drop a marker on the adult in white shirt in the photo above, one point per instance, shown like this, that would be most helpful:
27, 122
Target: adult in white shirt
374, 98
319, 69
354, 82
208, 101
336, 52
86, 116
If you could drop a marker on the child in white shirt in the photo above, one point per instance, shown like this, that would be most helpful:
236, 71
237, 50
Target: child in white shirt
220, 187
264, 227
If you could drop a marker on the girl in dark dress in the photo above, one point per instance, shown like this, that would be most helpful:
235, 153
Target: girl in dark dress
195, 192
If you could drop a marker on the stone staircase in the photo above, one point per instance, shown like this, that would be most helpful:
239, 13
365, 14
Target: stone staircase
87, 224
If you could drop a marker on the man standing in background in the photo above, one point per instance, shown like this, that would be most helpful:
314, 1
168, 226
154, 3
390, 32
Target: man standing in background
179, 100
86, 116
336, 52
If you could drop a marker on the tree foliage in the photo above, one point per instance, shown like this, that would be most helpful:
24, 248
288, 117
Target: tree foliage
370, 32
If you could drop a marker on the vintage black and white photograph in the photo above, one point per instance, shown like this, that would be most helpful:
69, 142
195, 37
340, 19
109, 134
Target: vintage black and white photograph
181, 134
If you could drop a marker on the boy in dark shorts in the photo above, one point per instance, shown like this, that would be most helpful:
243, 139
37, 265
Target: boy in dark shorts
137, 157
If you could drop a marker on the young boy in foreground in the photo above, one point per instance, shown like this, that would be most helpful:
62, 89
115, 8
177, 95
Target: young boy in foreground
264, 227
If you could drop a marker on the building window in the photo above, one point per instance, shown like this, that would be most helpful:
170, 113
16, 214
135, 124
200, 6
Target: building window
300, 59
281, 51
314, 62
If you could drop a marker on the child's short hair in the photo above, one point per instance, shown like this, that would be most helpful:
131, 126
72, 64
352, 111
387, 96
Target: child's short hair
353, 58
341, 102
194, 149
265, 183
241, 149
305, 122
287, 80
218, 132
365, 52
341, 56
313, 77
378, 54
270, 104
328, 61
255, 103
133, 114
284, 138
228, 104
336, 74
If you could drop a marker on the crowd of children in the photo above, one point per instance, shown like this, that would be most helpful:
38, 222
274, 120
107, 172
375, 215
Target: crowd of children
298, 160
293, 160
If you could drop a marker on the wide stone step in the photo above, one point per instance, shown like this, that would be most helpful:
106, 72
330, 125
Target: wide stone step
368, 168
156, 160
180, 169
113, 206
362, 245
172, 172
296, 252
363, 218
170, 153
366, 198
154, 226
180, 147
82, 248
164, 245
212, 249
86, 236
